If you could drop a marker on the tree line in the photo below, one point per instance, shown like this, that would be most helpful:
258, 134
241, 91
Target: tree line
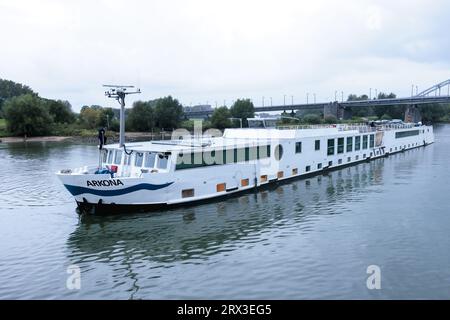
26, 113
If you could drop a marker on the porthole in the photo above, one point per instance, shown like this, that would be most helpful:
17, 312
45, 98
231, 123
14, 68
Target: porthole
278, 152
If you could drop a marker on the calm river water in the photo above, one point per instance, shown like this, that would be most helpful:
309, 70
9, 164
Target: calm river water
311, 238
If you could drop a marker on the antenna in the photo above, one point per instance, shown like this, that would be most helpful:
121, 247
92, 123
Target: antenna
119, 93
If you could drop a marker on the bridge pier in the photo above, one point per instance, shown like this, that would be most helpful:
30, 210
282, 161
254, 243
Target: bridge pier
412, 114
336, 110
331, 109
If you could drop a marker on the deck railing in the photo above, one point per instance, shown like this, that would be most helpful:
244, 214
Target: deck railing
360, 127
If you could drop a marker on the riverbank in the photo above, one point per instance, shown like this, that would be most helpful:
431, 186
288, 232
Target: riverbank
111, 138
33, 139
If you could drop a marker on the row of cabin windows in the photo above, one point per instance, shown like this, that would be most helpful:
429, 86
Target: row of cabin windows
228, 156
367, 142
151, 160
340, 161
404, 147
146, 160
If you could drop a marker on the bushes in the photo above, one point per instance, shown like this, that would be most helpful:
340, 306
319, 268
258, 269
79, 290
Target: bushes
141, 117
220, 119
27, 115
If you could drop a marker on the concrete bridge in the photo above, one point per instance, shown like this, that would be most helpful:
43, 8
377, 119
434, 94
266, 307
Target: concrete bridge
342, 110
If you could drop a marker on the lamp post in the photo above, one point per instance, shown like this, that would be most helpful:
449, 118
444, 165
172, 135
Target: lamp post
307, 98
292, 100
284, 100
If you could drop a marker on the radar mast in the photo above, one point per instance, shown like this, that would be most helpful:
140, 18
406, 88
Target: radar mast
119, 93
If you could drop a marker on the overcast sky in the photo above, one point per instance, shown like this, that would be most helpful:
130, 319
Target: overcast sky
207, 51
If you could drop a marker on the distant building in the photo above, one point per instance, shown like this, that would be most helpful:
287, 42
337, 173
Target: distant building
198, 108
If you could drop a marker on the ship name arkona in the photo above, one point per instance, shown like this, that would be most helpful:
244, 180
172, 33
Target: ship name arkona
104, 183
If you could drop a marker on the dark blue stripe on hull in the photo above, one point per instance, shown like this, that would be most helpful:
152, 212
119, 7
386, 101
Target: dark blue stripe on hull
76, 190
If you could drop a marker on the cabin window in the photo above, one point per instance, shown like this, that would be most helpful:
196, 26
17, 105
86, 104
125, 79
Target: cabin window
280, 174
294, 171
357, 143
162, 161
221, 187
349, 144
308, 168
356, 157
372, 141
253, 153
330, 147
263, 152
244, 182
340, 145
298, 147
247, 154
404, 134
278, 152
104, 155
349, 159
127, 160
319, 166
110, 156
264, 178
364, 146
330, 163
149, 160
187, 193
340, 161
139, 157
317, 145
118, 157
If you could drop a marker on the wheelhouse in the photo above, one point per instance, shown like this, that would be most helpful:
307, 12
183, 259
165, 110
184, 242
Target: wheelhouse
134, 163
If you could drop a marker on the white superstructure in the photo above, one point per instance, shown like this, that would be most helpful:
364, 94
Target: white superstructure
160, 173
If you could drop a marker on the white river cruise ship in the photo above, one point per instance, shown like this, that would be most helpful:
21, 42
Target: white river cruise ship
145, 175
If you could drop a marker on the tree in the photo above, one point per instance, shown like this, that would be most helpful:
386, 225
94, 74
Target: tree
330, 119
311, 119
61, 111
10, 89
90, 117
243, 109
27, 115
168, 113
433, 112
142, 116
106, 117
220, 118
